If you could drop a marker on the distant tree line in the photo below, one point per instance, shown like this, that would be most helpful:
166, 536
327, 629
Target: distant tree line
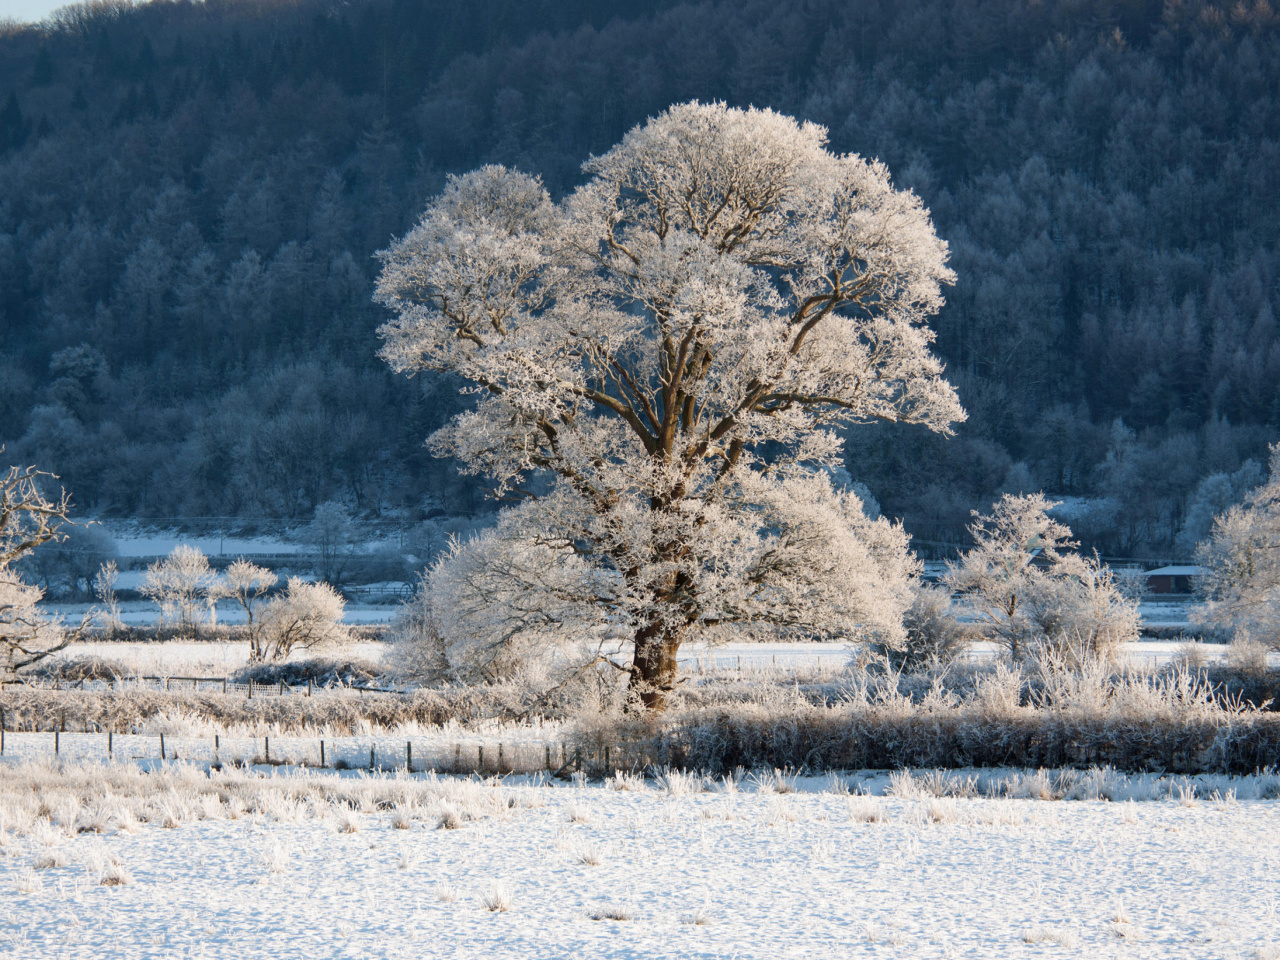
190, 195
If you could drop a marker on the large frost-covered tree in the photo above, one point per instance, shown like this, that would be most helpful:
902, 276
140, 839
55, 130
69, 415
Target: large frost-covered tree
675, 346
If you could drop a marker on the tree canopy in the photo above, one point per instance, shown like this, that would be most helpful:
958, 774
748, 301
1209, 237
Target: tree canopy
670, 350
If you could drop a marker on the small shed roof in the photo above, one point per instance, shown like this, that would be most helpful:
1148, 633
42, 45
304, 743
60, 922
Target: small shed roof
1178, 571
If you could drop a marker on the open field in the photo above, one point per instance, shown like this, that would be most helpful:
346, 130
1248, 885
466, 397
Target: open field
345, 866
217, 659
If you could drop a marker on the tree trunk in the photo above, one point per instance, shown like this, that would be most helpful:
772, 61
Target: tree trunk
653, 666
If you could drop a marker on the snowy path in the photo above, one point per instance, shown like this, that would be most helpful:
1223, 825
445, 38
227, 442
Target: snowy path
772, 876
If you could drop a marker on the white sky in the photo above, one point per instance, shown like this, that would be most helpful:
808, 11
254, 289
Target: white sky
29, 11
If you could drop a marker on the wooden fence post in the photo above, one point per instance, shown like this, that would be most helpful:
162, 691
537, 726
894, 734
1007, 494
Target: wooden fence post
110, 744
224, 684
408, 756
322, 753
267, 740
162, 746
56, 735
371, 757
2, 726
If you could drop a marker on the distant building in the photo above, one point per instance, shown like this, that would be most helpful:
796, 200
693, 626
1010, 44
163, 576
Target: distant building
1175, 579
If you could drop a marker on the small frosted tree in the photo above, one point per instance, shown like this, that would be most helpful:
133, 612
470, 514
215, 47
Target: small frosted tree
104, 590
1028, 586
332, 533
181, 584
1242, 564
305, 616
247, 583
28, 520
669, 352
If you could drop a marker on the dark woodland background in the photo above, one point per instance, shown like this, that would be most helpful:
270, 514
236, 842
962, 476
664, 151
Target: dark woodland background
191, 194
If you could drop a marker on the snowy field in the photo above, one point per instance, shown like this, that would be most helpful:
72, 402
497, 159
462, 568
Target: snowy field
546, 870
218, 659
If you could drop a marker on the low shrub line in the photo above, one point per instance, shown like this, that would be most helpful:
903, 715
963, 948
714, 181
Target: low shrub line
815, 739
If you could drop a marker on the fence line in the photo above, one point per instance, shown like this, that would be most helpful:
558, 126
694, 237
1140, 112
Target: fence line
250, 688
375, 754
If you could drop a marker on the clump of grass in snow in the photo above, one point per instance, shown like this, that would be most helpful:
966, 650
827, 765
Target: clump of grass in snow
941, 811
578, 813
30, 882
497, 899
678, 783
623, 781
775, 781
275, 858
348, 821
865, 810
1124, 931
446, 892
613, 911
51, 859
451, 818
401, 817
1045, 933
698, 918
591, 854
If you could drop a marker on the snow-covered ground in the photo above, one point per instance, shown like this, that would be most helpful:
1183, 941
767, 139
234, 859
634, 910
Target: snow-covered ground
136, 544
591, 872
217, 659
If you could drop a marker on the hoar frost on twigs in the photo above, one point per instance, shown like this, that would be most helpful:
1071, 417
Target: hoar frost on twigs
1026, 583
305, 616
27, 520
675, 344
1242, 564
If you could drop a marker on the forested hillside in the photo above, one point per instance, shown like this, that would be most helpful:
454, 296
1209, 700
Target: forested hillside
191, 195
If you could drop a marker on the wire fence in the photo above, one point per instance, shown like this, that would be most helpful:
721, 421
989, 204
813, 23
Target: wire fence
225, 685
465, 755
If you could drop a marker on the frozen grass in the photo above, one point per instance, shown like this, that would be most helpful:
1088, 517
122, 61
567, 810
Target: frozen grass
918, 865
765, 723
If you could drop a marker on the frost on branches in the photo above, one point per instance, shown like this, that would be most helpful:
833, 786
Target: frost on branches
27, 520
1242, 563
675, 346
1035, 594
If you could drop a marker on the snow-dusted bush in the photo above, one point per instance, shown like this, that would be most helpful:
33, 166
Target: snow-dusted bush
305, 616
183, 584
1242, 563
667, 354
498, 606
933, 634
1033, 592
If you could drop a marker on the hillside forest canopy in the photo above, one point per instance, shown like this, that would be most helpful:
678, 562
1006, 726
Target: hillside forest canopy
192, 194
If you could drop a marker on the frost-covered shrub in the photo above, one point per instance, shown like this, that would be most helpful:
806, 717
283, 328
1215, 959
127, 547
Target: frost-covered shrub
305, 616
1034, 594
1242, 562
933, 634
497, 608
